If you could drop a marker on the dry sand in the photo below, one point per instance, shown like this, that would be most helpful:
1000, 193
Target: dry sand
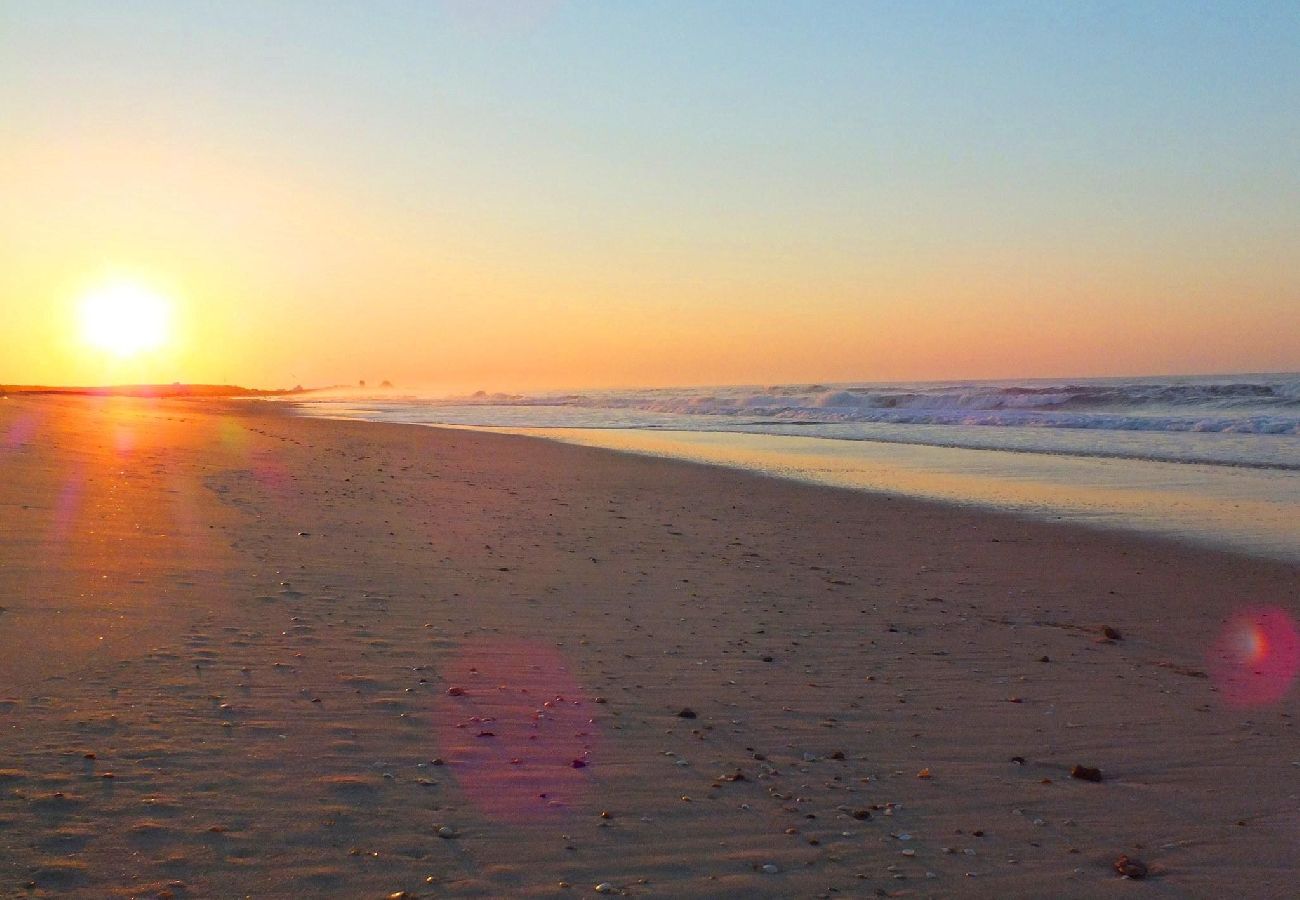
299, 647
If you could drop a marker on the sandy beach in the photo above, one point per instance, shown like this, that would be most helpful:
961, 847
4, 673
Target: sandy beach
249, 654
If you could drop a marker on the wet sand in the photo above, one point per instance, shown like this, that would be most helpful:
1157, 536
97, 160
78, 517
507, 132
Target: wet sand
243, 653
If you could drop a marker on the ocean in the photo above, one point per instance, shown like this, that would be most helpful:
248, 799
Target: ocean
1210, 459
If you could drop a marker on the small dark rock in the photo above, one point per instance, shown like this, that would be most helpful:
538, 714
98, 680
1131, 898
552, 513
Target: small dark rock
1111, 634
687, 713
1085, 773
1131, 868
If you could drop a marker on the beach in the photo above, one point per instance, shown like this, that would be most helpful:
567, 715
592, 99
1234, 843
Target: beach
244, 653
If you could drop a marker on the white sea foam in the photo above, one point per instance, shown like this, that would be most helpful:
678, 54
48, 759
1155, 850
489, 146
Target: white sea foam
1251, 421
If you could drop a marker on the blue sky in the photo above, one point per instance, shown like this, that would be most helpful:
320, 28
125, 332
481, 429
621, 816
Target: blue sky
909, 145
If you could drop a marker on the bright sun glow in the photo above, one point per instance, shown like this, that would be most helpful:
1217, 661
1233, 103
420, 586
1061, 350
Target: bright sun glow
125, 319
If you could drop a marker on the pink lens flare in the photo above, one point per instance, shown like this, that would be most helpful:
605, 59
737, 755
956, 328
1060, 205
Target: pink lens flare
271, 475
1256, 658
67, 506
124, 440
516, 730
19, 433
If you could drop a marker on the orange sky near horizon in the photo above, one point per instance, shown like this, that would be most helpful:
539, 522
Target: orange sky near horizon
307, 246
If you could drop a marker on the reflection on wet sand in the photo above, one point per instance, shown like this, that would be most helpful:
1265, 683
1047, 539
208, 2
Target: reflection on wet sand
1248, 510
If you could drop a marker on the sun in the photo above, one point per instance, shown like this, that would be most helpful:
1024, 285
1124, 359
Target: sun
125, 319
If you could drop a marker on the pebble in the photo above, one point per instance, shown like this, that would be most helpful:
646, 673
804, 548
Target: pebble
1130, 868
446, 832
1085, 773
687, 713
605, 888
770, 869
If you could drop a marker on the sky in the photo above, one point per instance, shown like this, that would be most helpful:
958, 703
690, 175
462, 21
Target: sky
516, 195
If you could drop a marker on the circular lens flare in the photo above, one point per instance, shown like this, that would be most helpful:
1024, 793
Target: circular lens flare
1256, 658
518, 732
124, 319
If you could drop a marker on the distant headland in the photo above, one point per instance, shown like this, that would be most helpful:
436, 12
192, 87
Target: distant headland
175, 389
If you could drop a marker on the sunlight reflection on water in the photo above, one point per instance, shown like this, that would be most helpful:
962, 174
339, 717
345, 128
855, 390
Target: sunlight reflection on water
1249, 510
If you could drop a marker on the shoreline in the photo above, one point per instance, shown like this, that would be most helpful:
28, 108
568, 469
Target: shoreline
1255, 525
286, 708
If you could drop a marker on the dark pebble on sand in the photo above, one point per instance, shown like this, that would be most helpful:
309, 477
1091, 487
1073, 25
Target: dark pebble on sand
687, 713
1085, 773
1131, 868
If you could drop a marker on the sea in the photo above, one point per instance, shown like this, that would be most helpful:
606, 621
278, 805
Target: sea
1212, 460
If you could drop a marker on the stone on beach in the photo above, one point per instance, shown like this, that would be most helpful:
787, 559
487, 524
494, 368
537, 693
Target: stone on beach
1085, 773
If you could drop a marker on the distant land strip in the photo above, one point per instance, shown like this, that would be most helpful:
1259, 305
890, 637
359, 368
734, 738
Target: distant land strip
152, 390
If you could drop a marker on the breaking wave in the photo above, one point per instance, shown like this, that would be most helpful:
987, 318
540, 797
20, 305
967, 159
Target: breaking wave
1244, 421
1247, 406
